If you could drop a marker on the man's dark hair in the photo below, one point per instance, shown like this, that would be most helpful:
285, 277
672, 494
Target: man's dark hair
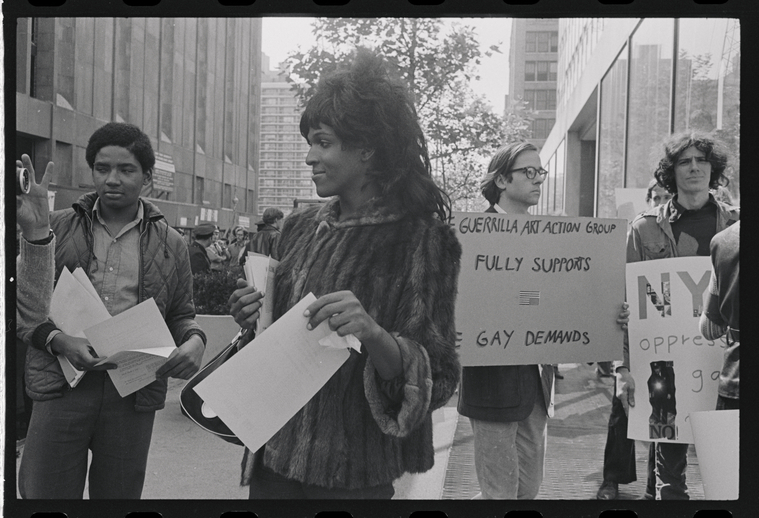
500, 165
272, 214
713, 149
123, 135
369, 108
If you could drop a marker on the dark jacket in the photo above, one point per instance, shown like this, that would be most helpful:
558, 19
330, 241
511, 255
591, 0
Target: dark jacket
264, 242
164, 275
504, 393
403, 270
199, 261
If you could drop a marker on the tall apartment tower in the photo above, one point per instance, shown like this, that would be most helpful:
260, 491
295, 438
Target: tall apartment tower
191, 84
533, 57
283, 174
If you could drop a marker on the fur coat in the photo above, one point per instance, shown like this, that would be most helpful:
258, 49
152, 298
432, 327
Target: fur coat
359, 430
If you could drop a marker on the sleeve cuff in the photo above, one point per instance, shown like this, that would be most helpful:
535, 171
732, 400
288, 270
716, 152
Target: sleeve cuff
42, 334
43, 241
196, 331
401, 419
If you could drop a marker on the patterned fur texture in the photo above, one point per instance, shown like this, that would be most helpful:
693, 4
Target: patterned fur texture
404, 271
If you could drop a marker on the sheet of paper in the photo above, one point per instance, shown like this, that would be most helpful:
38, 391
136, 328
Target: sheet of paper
82, 278
257, 270
336, 341
264, 385
75, 305
260, 271
136, 369
139, 328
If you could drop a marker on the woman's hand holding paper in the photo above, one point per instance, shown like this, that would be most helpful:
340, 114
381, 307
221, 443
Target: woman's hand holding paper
245, 304
346, 315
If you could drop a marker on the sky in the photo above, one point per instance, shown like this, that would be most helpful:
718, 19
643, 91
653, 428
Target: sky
283, 35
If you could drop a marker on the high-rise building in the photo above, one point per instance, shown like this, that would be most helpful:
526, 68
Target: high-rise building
283, 174
533, 56
624, 85
191, 84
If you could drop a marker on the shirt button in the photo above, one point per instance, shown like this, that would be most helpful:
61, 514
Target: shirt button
110, 269
106, 298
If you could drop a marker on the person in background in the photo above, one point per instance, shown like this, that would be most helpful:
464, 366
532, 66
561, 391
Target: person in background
202, 238
693, 163
130, 254
384, 263
217, 251
721, 315
656, 194
265, 241
509, 406
238, 245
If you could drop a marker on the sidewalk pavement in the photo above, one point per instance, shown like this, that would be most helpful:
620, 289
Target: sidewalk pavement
187, 463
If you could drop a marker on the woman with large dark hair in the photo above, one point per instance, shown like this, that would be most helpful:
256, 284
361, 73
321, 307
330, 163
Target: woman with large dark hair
384, 264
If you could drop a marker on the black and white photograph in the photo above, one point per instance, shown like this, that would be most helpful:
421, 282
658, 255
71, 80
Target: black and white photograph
244, 243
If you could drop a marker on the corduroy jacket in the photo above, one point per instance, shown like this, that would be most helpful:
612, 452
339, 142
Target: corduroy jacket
403, 269
651, 238
164, 275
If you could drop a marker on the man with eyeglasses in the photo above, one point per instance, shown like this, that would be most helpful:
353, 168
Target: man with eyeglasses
683, 226
509, 406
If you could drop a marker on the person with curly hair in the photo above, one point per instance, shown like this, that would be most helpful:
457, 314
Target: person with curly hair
384, 263
130, 254
693, 163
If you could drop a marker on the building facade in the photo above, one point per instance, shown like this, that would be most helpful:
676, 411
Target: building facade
533, 62
191, 84
283, 174
624, 86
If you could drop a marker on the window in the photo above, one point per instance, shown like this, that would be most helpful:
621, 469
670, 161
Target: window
554, 41
542, 74
611, 137
541, 99
529, 71
552, 70
544, 39
649, 98
531, 41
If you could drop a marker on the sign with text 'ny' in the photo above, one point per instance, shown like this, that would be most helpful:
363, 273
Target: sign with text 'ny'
539, 289
676, 370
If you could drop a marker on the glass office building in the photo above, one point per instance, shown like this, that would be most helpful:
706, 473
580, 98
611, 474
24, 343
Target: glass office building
624, 86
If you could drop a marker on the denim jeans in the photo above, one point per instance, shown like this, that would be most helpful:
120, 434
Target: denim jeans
619, 460
93, 417
265, 484
671, 461
510, 457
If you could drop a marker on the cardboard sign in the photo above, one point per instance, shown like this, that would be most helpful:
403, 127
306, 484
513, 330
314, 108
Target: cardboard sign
630, 202
676, 370
539, 289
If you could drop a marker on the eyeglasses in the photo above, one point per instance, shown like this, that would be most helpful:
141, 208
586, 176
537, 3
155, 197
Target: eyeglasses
531, 172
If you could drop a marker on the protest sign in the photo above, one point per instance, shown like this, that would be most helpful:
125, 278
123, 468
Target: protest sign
630, 202
539, 289
675, 369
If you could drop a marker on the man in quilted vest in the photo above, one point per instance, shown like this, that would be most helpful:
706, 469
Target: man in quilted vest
130, 254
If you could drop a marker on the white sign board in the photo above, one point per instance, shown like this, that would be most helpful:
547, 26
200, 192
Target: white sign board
676, 370
630, 202
539, 289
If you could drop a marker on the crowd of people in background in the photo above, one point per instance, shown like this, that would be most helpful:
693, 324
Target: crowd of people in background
386, 219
